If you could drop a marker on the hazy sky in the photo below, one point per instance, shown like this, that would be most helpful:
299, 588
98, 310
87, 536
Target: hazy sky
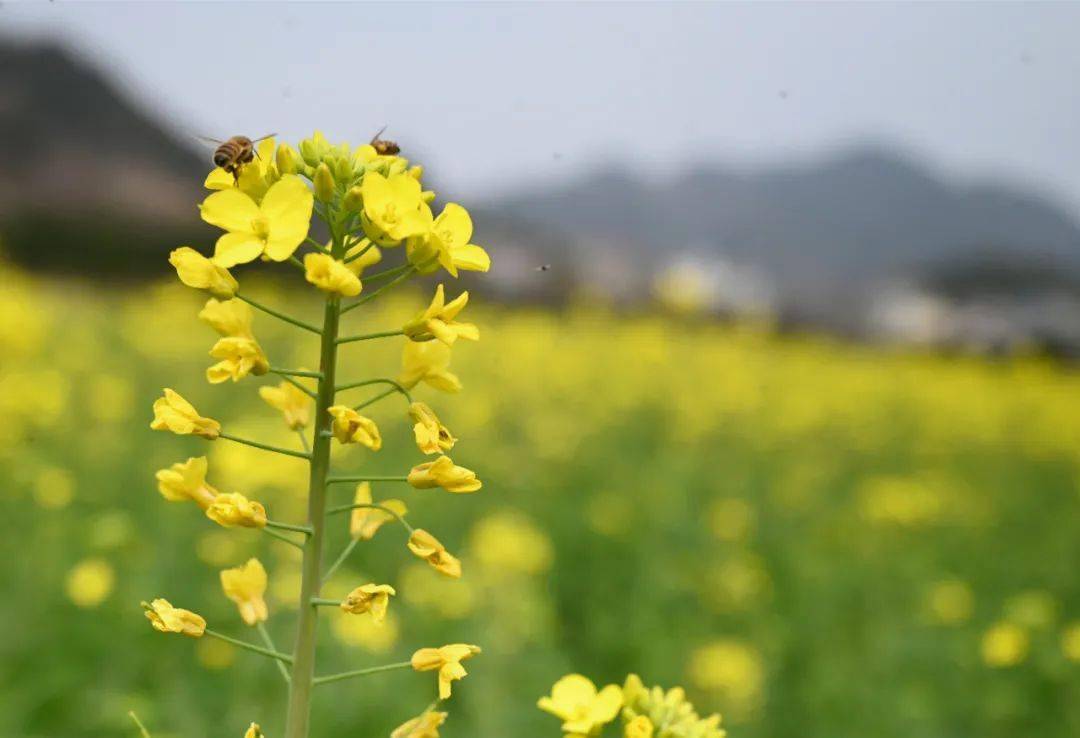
490, 96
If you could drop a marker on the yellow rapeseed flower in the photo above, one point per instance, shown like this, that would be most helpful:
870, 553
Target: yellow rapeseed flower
447, 242
437, 321
245, 585
168, 619
274, 228
584, 711
432, 436
365, 521
195, 270
89, 582
638, 727
427, 547
444, 473
237, 357
428, 362
293, 403
331, 275
1005, 644
351, 427
228, 317
173, 413
233, 509
425, 725
393, 208
373, 598
186, 481
447, 659
254, 731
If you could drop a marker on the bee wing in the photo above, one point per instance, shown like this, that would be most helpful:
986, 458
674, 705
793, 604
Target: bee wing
263, 138
376, 136
207, 139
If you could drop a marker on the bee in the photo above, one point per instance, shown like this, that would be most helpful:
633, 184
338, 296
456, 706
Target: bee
238, 151
384, 147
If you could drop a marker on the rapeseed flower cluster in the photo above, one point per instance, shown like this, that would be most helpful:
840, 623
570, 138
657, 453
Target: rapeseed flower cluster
370, 203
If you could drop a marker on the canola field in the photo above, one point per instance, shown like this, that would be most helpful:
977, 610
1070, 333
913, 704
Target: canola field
814, 538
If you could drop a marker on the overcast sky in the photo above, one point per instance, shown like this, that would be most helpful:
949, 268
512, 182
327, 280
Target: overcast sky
492, 96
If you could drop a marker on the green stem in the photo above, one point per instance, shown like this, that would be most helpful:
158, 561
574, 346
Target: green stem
265, 446
312, 242
303, 440
289, 526
249, 646
382, 380
322, 601
371, 506
378, 397
340, 559
298, 264
286, 539
298, 714
265, 634
359, 253
142, 728
369, 336
280, 316
367, 478
362, 672
296, 372
409, 270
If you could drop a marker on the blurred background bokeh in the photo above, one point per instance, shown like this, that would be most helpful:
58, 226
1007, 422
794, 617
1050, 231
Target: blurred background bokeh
776, 396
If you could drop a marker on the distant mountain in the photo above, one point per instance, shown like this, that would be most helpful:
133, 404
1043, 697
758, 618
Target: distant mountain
863, 213
89, 180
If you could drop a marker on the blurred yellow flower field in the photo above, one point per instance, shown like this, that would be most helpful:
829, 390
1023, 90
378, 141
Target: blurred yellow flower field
815, 538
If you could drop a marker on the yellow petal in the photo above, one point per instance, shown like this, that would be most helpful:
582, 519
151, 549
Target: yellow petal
236, 248
229, 209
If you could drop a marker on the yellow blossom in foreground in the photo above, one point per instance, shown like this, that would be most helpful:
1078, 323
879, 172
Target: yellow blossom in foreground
168, 619
351, 427
1005, 644
431, 435
428, 362
237, 357
427, 547
669, 711
228, 317
425, 725
371, 255
233, 509
447, 242
366, 521
373, 598
638, 727
186, 481
173, 413
254, 731
195, 270
437, 321
245, 585
1070, 641
393, 208
444, 473
293, 403
89, 582
331, 275
447, 660
275, 227
583, 710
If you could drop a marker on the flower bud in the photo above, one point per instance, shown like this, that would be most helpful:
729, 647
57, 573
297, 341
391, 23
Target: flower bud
428, 196
397, 166
416, 172
287, 159
324, 183
354, 200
